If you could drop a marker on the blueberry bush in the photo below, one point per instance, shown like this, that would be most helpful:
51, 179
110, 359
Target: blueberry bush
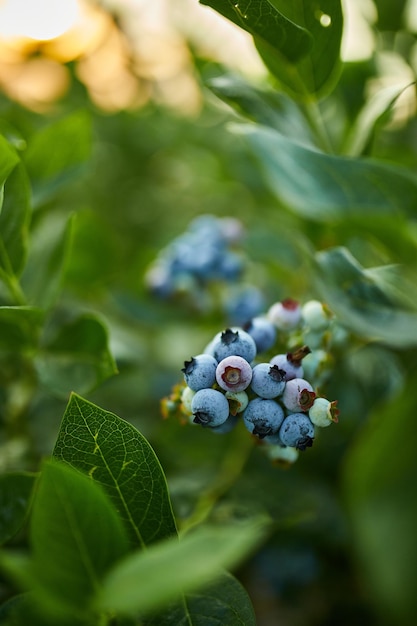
187, 301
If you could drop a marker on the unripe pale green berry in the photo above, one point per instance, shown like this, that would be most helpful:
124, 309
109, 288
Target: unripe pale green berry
281, 455
187, 396
315, 315
238, 401
323, 412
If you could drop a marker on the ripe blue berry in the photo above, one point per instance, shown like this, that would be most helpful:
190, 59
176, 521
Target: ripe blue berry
210, 407
263, 332
200, 371
297, 431
242, 303
268, 381
291, 362
263, 417
233, 342
298, 395
233, 373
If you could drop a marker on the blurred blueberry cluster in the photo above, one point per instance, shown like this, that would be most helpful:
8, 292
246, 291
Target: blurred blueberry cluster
264, 375
206, 265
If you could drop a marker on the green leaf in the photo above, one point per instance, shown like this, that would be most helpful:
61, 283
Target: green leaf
15, 492
390, 14
75, 355
318, 71
148, 580
269, 26
326, 188
117, 456
23, 609
380, 476
14, 222
269, 108
20, 328
375, 303
56, 154
374, 112
225, 601
8, 160
76, 535
51, 239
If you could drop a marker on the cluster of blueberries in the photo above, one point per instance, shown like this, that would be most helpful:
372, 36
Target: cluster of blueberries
208, 254
228, 382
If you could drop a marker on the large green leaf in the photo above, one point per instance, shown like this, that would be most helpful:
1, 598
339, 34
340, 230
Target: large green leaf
380, 477
390, 14
269, 26
56, 154
372, 115
50, 244
148, 580
323, 187
269, 108
14, 222
378, 304
318, 71
299, 41
74, 355
20, 327
76, 536
15, 492
223, 601
117, 456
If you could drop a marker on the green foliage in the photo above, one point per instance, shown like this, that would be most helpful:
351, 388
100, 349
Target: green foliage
15, 492
57, 154
378, 303
318, 161
268, 26
100, 510
76, 536
298, 41
379, 478
171, 567
121, 460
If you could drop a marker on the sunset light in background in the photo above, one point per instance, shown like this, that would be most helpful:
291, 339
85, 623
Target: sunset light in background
128, 52
41, 19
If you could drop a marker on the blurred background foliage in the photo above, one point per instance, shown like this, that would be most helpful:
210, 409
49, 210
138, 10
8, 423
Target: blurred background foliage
124, 139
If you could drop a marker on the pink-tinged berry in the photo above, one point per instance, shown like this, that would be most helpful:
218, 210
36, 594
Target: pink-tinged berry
323, 412
233, 374
291, 362
298, 395
285, 315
